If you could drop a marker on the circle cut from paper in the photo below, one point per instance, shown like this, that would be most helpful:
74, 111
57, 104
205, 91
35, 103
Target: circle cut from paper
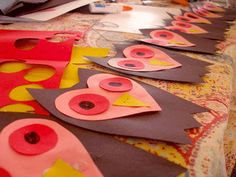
33, 139
141, 53
182, 18
89, 104
174, 28
161, 34
131, 64
4, 173
116, 84
193, 16
183, 24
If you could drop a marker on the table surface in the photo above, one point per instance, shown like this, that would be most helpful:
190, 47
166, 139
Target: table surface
213, 149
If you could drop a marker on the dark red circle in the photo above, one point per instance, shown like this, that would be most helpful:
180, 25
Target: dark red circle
183, 24
4, 173
131, 64
89, 104
142, 53
116, 84
163, 34
33, 139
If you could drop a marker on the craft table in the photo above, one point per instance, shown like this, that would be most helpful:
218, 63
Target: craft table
213, 149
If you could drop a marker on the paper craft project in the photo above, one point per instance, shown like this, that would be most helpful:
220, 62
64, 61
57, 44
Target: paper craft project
168, 124
190, 70
179, 41
213, 7
76, 152
195, 29
34, 45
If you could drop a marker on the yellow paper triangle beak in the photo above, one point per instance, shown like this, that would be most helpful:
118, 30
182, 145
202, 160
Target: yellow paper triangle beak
159, 62
128, 100
62, 169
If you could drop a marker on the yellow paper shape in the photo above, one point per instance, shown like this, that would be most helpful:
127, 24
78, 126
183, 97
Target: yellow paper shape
70, 76
194, 30
39, 74
17, 108
159, 62
78, 54
62, 169
13, 67
128, 100
176, 42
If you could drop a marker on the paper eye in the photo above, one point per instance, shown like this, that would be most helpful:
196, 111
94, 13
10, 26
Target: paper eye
174, 28
33, 139
161, 34
182, 18
116, 84
140, 53
4, 173
89, 104
182, 24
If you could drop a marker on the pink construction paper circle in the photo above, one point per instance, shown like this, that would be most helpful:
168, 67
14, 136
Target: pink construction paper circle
183, 24
89, 104
33, 139
131, 64
192, 16
4, 173
116, 84
141, 53
162, 34
182, 18
174, 28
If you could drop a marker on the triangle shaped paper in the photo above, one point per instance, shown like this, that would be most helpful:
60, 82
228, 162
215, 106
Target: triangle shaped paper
190, 70
176, 117
129, 101
78, 152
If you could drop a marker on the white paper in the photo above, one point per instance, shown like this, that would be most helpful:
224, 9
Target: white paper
139, 17
50, 13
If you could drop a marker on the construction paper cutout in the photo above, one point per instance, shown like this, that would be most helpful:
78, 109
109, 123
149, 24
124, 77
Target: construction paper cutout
187, 27
168, 38
68, 147
17, 108
199, 42
61, 51
4, 173
33, 139
140, 53
62, 101
212, 7
116, 84
205, 13
89, 104
61, 169
21, 94
176, 117
190, 71
39, 74
26, 43
109, 154
191, 18
128, 100
13, 67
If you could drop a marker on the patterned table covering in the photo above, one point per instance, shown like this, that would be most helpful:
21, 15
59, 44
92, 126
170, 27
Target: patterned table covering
212, 153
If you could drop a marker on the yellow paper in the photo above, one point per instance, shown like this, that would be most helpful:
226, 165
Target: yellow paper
128, 100
17, 108
70, 76
176, 42
78, 54
194, 30
13, 67
39, 74
62, 169
159, 62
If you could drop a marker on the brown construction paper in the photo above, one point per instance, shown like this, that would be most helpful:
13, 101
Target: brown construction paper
167, 125
113, 158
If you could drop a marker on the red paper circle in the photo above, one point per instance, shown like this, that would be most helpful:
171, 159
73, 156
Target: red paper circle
183, 24
4, 173
163, 35
89, 104
182, 18
131, 64
142, 53
116, 84
192, 16
33, 139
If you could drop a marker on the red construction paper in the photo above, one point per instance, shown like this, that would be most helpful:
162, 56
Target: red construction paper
75, 146
129, 64
116, 84
33, 139
59, 51
140, 53
89, 104
9, 81
4, 173
113, 112
68, 148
